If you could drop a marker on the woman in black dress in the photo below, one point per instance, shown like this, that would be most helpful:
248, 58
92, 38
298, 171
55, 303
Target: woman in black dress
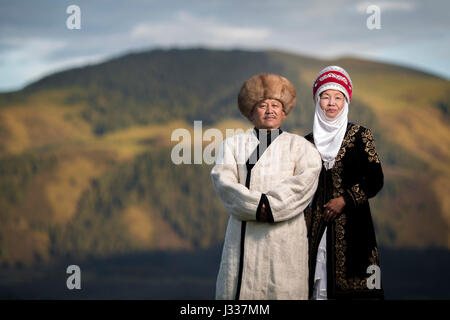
342, 245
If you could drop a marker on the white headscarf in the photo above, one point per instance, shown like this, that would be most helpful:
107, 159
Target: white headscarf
329, 132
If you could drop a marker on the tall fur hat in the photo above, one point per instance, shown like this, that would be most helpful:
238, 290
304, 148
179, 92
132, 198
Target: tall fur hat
266, 86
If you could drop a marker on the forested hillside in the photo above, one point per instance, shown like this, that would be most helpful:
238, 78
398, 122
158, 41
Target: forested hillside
85, 153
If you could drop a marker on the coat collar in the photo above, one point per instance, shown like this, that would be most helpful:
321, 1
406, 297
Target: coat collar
270, 134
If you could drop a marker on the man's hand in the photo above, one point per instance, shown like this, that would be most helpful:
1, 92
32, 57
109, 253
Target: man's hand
333, 208
263, 214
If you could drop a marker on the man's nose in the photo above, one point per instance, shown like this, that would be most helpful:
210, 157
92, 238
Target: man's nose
269, 109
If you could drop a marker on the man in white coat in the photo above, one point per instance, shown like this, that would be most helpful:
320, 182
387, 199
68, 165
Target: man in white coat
265, 178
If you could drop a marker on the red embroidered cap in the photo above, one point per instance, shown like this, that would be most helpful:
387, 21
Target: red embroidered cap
333, 77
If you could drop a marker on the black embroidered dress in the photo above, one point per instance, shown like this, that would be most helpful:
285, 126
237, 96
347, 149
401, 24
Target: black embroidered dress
351, 243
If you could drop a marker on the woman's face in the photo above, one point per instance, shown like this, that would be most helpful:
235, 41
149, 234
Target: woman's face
332, 102
268, 114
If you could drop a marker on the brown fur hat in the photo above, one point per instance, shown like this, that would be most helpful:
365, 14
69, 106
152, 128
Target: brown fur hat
266, 86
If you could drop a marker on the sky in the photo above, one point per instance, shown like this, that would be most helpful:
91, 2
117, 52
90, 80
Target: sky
35, 40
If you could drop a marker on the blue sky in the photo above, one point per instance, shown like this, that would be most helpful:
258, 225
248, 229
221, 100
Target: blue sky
34, 39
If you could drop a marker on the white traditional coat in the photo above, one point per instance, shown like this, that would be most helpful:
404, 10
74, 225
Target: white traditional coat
275, 255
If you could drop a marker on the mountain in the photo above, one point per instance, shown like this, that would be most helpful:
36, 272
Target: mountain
85, 154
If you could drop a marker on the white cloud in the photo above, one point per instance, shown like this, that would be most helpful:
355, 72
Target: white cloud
387, 5
187, 29
32, 46
231, 34
38, 42
28, 58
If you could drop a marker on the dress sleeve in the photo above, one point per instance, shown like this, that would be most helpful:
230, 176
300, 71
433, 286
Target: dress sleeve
292, 195
372, 179
238, 200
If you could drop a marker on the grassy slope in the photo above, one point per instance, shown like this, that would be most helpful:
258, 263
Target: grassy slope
41, 125
51, 198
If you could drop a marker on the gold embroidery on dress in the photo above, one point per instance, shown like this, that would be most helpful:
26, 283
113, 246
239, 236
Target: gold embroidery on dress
337, 169
341, 244
344, 283
348, 141
369, 142
336, 173
358, 195
316, 218
374, 258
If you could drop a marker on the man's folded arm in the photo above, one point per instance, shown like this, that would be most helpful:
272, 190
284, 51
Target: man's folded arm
290, 197
237, 199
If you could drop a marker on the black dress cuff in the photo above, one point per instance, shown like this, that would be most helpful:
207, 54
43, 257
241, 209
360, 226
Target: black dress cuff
349, 203
267, 215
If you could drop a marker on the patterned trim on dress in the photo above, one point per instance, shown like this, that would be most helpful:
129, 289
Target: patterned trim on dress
344, 283
374, 258
348, 142
316, 220
369, 142
358, 195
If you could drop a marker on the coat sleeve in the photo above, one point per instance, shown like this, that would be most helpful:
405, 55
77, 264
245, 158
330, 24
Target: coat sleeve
237, 199
372, 178
292, 195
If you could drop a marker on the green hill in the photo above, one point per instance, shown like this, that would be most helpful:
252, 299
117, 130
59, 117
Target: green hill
85, 153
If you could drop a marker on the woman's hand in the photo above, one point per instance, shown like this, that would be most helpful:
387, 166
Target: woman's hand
333, 208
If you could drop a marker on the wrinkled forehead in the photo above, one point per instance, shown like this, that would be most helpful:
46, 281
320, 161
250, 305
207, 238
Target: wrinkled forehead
270, 100
332, 92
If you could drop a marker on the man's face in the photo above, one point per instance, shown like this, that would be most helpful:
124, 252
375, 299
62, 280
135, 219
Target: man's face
268, 114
